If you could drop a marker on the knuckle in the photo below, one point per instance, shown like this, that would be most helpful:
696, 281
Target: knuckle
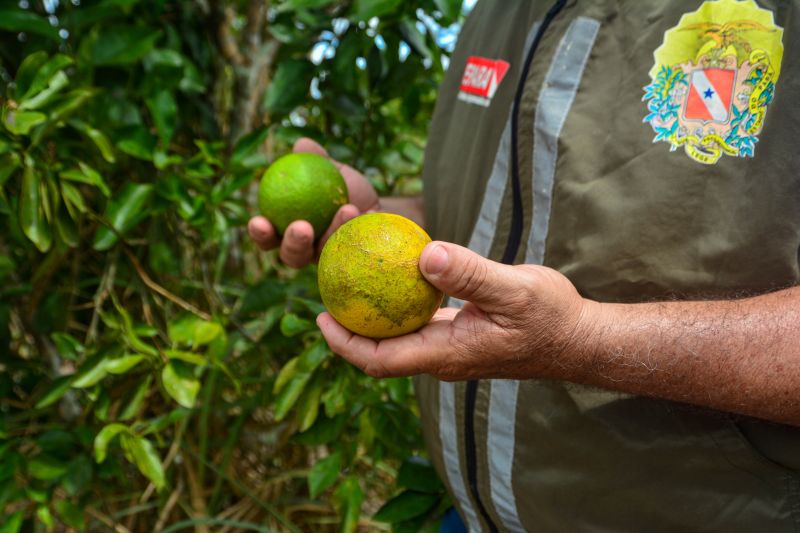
471, 277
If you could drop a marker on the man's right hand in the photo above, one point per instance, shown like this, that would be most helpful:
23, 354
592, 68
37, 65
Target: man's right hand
298, 247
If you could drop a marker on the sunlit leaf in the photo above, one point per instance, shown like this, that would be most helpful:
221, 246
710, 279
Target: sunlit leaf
180, 383
104, 438
145, 458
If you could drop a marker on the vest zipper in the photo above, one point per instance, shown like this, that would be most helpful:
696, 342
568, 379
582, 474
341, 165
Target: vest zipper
512, 247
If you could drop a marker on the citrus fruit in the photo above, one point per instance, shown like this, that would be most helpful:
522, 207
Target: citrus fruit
369, 276
301, 186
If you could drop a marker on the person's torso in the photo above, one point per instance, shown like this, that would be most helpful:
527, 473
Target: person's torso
641, 177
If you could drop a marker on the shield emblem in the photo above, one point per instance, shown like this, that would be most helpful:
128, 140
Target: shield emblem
710, 95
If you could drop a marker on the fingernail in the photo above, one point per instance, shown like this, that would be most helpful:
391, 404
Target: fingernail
437, 260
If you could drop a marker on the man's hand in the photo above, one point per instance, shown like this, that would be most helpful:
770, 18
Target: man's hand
517, 322
297, 248
522, 322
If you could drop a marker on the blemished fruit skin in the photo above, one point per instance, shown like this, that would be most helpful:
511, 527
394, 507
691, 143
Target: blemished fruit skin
369, 277
301, 186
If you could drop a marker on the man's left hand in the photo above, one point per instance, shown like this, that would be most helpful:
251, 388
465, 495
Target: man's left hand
518, 322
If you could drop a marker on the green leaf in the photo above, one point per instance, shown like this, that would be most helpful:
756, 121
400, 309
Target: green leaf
60, 386
414, 38
104, 438
7, 266
45, 73
288, 371
123, 45
292, 5
71, 514
314, 355
418, 474
66, 228
45, 517
78, 476
289, 86
21, 122
193, 330
125, 211
136, 399
9, 163
349, 497
56, 83
405, 506
363, 10
73, 200
292, 325
31, 209
97, 137
121, 365
27, 72
308, 406
18, 20
451, 9
248, 144
68, 346
289, 395
86, 174
164, 111
145, 458
324, 473
324, 431
187, 357
46, 468
137, 142
180, 383
12, 523
91, 372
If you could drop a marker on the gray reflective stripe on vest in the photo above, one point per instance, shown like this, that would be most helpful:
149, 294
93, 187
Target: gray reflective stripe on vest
449, 437
480, 242
500, 446
555, 101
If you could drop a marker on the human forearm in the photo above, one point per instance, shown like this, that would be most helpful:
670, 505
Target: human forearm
741, 356
407, 206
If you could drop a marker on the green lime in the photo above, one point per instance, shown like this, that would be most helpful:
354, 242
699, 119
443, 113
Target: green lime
302, 186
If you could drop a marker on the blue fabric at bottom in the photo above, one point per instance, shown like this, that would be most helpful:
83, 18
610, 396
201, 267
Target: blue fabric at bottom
452, 523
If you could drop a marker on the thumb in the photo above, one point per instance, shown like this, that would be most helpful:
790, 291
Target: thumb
462, 273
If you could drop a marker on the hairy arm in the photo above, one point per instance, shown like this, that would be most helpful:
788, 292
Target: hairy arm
741, 356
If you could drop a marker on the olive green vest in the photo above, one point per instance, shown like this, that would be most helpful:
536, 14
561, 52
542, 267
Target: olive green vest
653, 158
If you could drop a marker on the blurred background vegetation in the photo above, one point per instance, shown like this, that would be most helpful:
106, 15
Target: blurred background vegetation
156, 372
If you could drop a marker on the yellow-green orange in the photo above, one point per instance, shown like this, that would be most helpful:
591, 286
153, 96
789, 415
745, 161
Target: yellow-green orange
369, 276
301, 186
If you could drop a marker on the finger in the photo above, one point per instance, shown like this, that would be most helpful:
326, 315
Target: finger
345, 213
304, 144
263, 233
297, 246
424, 351
462, 273
361, 193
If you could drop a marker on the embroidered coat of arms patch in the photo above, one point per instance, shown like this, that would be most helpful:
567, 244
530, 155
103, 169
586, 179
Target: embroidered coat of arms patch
714, 77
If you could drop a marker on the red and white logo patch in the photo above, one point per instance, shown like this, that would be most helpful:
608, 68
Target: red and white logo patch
480, 80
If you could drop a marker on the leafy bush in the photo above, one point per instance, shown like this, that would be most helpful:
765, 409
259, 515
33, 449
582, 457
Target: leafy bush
157, 373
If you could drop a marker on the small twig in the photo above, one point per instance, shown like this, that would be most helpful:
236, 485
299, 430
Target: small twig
106, 520
152, 285
171, 501
199, 509
106, 283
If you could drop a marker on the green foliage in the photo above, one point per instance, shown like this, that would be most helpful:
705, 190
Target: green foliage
153, 364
